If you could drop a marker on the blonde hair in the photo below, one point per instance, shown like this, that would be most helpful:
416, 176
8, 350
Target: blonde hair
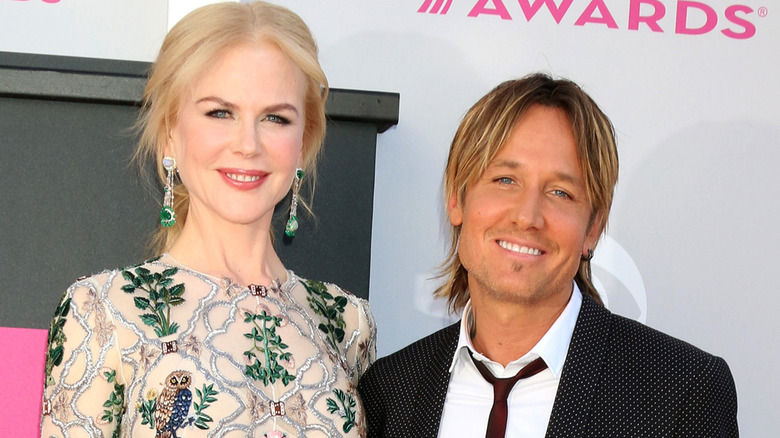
483, 132
189, 48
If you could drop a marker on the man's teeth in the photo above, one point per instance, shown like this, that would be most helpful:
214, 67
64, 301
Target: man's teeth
243, 178
517, 248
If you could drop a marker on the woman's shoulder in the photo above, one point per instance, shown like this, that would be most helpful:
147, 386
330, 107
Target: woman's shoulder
345, 320
331, 295
144, 272
105, 275
338, 310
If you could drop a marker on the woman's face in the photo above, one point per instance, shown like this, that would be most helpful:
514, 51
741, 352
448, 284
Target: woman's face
239, 134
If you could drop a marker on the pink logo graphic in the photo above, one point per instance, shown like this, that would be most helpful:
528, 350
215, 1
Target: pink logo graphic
436, 8
690, 17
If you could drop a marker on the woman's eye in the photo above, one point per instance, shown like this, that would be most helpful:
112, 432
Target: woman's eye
273, 118
219, 114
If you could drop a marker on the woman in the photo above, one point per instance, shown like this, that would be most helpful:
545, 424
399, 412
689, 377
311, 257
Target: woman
215, 337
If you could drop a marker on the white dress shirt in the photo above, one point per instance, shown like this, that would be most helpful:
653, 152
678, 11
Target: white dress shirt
470, 397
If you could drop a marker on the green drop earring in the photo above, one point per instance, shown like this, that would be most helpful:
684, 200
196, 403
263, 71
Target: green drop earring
292, 223
167, 214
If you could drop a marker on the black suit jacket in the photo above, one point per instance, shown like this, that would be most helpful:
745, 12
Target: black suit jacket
620, 379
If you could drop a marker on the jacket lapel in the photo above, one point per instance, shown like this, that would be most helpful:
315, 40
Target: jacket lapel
434, 379
580, 377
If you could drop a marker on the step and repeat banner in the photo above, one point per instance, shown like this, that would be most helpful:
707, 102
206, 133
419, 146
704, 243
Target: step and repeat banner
691, 87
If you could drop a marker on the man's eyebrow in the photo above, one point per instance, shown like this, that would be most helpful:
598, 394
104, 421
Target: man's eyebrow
511, 164
567, 177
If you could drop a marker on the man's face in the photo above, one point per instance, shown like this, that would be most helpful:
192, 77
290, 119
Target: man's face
526, 221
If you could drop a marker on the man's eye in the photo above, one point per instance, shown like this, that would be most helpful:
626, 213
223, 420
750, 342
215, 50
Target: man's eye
505, 180
561, 194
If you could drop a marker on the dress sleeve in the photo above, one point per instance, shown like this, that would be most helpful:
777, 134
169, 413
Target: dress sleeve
84, 386
362, 353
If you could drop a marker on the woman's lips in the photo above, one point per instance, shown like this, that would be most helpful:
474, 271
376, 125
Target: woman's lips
244, 179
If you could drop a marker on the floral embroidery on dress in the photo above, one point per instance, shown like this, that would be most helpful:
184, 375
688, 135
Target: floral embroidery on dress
147, 354
192, 345
257, 408
60, 407
163, 295
206, 396
296, 408
345, 406
119, 363
146, 407
103, 328
330, 308
232, 289
55, 350
115, 405
266, 345
365, 350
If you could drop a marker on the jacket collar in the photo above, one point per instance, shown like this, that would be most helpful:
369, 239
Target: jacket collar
432, 389
581, 372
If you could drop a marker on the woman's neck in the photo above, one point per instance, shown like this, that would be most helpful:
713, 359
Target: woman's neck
243, 253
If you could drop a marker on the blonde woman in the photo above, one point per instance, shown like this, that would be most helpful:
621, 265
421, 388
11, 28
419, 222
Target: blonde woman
215, 336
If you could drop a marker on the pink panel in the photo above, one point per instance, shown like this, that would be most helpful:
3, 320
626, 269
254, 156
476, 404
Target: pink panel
22, 358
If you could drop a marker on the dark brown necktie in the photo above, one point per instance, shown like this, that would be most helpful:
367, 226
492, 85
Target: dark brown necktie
496, 427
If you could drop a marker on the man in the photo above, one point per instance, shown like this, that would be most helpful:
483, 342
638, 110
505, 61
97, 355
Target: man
529, 185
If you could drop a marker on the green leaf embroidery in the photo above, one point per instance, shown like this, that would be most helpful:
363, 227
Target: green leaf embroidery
147, 408
56, 338
330, 308
161, 297
141, 303
266, 344
169, 272
206, 397
345, 406
115, 405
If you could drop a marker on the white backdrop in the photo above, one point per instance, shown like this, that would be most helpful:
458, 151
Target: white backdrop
114, 29
692, 242
693, 91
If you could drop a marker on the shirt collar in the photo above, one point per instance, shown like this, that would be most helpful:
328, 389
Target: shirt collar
551, 348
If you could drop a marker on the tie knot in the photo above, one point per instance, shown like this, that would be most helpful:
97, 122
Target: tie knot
502, 387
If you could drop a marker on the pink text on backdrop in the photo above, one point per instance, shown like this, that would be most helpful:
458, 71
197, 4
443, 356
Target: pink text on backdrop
45, 1
691, 17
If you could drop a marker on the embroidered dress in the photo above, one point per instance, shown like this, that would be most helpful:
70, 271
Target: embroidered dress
158, 350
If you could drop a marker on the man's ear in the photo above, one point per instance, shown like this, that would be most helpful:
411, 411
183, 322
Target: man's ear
455, 210
594, 233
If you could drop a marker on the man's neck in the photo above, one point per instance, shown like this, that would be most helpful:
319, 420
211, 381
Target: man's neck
504, 332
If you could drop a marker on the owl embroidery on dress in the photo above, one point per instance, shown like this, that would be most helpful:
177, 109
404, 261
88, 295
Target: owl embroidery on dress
173, 404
